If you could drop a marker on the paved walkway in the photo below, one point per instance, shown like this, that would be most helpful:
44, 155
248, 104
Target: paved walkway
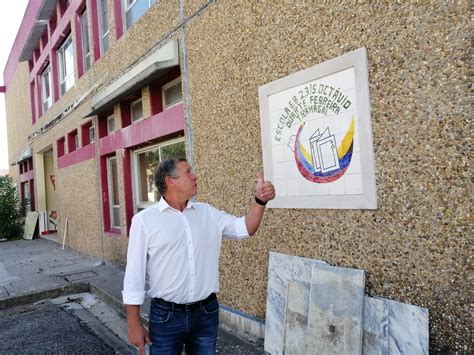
33, 270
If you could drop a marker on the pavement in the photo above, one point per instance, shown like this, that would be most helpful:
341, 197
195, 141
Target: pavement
38, 272
74, 324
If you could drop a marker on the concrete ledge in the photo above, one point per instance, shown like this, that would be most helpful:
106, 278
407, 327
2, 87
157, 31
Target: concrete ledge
107, 297
28, 298
242, 323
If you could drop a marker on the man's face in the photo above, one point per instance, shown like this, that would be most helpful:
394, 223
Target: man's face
185, 183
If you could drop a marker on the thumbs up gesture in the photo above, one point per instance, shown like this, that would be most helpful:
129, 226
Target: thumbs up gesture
264, 190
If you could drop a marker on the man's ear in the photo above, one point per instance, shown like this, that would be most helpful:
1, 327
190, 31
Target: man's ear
169, 181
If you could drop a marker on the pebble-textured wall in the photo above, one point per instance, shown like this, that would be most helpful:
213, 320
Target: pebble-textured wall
416, 246
115, 249
77, 194
191, 7
18, 116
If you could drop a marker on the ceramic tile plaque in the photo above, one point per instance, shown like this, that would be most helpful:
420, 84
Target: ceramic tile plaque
317, 136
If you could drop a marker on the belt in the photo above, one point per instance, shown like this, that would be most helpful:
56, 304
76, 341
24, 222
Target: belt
185, 306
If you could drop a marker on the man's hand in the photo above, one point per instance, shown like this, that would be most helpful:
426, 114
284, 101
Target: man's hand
137, 334
264, 190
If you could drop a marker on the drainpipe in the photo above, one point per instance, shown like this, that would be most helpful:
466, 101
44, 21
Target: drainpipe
185, 82
95, 123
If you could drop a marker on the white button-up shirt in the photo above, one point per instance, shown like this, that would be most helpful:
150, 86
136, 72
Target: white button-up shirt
178, 250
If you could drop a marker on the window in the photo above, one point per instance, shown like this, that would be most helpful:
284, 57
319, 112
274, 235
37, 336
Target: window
110, 124
66, 65
145, 162
46, 88
136, 110
63, 5
112, 181
26, 190
134, 9
88, 133
44, 40
91, 134
60, 146
26, 195
86, 48
103, 26
172, 93
72, 141
53, 22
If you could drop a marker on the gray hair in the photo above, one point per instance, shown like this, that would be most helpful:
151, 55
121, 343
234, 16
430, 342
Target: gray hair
166, 168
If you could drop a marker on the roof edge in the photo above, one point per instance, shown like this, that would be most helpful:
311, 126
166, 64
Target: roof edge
27, 23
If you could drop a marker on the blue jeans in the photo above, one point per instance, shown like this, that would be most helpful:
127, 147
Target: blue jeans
196, 328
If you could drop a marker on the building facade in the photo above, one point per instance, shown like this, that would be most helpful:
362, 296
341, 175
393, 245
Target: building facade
99, 91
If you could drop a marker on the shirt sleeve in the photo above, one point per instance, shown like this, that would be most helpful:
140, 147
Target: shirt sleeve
231, 226
135, 272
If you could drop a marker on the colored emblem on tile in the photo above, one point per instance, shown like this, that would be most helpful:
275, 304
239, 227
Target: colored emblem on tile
324, 161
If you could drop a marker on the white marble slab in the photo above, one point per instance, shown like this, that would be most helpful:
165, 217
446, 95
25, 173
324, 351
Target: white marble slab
281, 270
389, 327
336, 306
376, 315
392, 327
407, 328
296, 318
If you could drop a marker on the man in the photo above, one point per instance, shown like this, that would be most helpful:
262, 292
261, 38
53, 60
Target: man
177, 243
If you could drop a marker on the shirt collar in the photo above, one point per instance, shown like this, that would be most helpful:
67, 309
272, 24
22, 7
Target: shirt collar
163, 205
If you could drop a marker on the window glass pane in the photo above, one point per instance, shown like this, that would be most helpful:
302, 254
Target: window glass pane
175, 150
66, 65
104, 16
173, 94
114, 181
110, 124
116, 217
45, 79
85, 41
135, 10
105, 43
69, 59
46, 88
137, 110
91, 134
104, 25
147, 163
113, 192
26, 190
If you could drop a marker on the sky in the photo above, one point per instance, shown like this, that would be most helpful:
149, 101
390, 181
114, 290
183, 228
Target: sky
11, 14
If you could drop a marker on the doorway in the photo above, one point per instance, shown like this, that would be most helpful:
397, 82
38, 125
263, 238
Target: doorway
46, 186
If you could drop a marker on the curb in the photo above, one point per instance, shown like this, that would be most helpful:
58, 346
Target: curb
29, 298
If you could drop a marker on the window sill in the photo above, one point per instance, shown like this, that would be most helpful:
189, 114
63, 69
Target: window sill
113, 232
